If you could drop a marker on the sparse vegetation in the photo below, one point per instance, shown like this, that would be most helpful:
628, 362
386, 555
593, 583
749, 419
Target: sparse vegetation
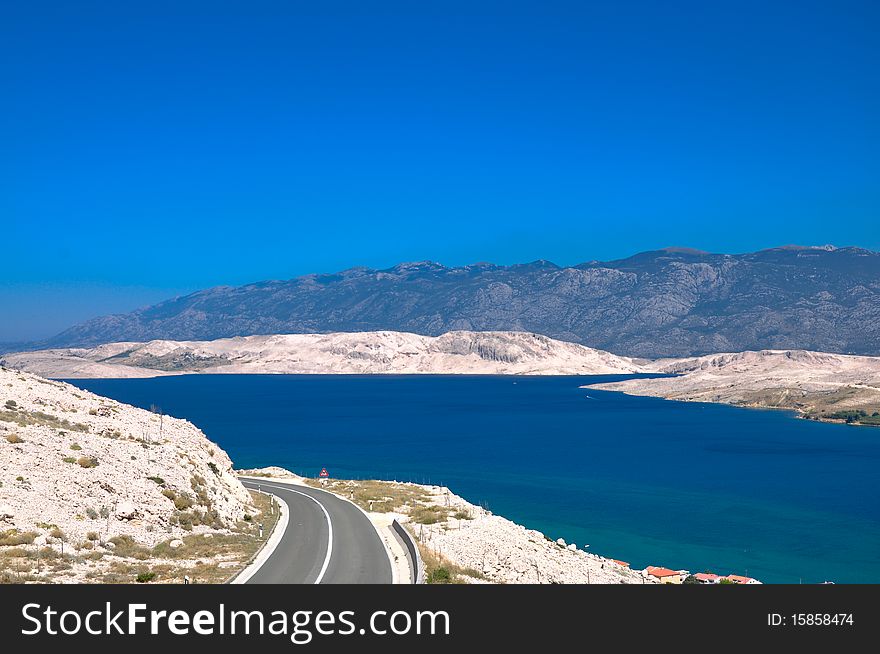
12, 537
87, 461
25, 418
11, 404
439, 575
854, 417
189, 519
145, 577
14, 438
439, 570
127, 547
75, 447
428, 515
377, 496
69, 459
193, 559
157, 480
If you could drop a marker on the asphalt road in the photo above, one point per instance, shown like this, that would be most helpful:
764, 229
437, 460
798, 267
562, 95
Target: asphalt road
328, 541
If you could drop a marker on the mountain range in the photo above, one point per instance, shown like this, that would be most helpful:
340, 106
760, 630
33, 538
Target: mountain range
675, 302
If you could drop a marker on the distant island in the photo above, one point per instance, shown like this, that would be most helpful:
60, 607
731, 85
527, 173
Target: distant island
818, 385
384, 352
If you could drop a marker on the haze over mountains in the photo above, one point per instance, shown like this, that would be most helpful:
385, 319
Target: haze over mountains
665, 303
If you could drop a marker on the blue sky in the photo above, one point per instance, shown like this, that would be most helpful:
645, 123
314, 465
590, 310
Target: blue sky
151, 149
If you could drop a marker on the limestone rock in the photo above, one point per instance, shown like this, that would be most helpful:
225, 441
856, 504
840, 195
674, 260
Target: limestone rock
127, 511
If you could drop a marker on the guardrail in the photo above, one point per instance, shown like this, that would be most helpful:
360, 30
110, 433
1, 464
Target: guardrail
416, 566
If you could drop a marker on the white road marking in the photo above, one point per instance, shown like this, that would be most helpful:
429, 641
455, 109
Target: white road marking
329, 529
270, 546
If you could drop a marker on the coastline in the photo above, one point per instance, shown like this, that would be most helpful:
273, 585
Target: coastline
462, 542
833, 388
796, 411
828, 387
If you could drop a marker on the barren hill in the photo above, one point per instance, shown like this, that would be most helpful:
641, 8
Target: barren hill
370, 352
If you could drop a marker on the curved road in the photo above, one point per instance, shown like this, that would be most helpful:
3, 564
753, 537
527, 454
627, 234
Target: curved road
327, 541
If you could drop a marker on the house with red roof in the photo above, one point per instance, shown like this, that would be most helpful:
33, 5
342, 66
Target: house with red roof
739, 579
664, 575
707, 578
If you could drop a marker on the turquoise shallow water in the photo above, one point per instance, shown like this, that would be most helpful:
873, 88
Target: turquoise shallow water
696, 486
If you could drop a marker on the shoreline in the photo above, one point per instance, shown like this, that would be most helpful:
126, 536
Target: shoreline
479, 546
797, 412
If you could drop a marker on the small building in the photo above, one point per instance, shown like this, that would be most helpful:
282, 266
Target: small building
707, 578
621, 563
664, 575
739, 579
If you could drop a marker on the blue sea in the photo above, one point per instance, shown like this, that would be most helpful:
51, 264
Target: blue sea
685, 485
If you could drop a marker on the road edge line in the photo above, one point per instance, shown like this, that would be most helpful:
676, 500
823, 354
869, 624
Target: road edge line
329, 534
395, 578
268, 547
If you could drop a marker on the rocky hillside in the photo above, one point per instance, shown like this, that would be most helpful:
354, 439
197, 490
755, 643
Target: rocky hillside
667, 303
90, 474
371, 352
470, 543
819, 385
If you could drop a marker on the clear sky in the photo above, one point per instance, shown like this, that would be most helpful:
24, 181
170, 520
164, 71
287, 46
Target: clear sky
152, 148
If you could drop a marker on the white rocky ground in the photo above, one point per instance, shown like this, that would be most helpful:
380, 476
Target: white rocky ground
459, 352
506, 552
500, 550
812, 382
815, 383
83, 463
